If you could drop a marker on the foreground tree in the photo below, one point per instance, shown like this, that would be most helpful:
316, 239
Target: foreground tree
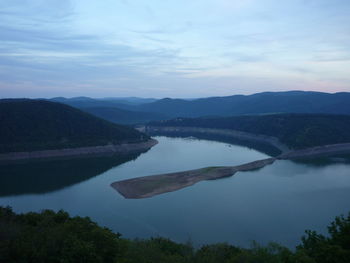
334, 248
56, 237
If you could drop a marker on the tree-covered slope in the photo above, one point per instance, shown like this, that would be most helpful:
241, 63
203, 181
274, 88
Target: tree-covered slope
295, 130
121, 116
27, 125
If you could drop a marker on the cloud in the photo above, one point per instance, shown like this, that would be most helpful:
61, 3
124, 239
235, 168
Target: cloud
82, 47
50, 54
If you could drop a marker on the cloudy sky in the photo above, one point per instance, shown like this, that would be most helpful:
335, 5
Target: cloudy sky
172, 48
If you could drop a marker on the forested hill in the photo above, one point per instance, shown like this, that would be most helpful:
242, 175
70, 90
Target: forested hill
260, 103
27, 125
295, 130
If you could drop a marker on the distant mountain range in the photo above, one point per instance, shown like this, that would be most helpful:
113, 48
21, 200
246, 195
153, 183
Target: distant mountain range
260, 103
86, 102
117, 115
139, 110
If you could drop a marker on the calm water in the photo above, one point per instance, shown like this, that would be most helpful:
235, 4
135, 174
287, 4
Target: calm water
276, 203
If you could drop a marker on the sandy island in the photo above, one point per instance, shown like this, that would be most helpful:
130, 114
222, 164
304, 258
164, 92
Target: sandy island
149, 186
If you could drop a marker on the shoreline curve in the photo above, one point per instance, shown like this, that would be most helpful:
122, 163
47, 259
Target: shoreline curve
111, 149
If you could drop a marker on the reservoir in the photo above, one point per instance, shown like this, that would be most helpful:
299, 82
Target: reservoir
275, 203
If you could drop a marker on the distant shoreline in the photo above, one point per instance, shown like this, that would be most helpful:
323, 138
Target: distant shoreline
273, 141
318, 151
125, 148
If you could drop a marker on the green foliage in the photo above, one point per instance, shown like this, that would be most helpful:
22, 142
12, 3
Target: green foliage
225, 253
158, 250
56, 237
28, 125
335, 248
220, 252
295, 130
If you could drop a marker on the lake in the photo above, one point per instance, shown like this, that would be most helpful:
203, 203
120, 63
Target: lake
276, 203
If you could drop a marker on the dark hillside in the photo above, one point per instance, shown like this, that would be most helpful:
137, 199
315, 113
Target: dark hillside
295, 130
28, 125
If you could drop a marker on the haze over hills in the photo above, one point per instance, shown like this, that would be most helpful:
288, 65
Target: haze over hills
86, 102
122, 116
117, 110
130, 100
28, 125
260, 103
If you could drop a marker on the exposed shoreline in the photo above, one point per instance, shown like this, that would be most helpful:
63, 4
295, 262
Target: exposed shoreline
270, 140
125, 148
318, 151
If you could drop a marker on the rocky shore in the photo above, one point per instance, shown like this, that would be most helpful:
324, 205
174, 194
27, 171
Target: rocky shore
121, 149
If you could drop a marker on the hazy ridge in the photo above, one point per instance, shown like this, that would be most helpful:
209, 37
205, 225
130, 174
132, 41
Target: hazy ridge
261, 103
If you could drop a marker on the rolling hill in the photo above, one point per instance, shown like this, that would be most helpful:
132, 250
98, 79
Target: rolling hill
138, 110
28, 125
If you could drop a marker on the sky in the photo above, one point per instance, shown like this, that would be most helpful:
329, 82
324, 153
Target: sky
172, 48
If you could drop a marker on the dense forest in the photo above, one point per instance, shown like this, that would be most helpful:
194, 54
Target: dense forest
56, 237
28, 125
295, 130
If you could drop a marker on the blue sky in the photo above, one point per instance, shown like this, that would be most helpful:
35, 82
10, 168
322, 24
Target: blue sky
168, 48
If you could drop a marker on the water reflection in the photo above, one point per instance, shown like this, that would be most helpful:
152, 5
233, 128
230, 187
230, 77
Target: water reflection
46, 176
256, 145
324, 161
276, 203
